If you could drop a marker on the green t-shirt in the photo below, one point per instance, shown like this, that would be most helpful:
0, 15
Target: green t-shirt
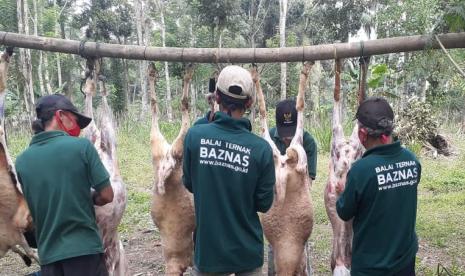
381, 196
57, 172
231, 173
309, 146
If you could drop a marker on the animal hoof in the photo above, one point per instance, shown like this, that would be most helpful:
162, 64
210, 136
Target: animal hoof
27, 260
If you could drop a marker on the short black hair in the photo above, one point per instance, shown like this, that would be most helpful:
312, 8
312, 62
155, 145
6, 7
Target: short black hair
375, 133
39, 124
231, 103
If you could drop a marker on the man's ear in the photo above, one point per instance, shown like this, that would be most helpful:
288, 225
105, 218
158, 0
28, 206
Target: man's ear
217, 98
362, 134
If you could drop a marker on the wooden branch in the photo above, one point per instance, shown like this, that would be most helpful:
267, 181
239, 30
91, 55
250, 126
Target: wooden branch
450, 57
233, 55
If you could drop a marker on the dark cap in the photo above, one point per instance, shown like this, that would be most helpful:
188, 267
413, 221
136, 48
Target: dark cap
376, 113
52, 103
286, 118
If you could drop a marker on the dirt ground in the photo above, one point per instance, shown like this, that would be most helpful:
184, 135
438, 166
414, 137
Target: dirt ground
144, 254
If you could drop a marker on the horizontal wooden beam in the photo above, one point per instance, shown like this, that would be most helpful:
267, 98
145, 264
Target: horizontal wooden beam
234, 55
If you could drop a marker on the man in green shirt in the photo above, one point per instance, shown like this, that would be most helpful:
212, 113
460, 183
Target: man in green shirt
381, 197
282, 134
231, 173
57, 172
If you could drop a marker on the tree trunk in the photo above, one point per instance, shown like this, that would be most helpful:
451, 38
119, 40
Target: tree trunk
47, 75
36, 33
315, 77
282, 43
126, 82
25, 56
169, 107
405, 92
60, 81
424, 87
140, 26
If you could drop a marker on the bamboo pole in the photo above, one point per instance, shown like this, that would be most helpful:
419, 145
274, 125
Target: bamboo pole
234, 55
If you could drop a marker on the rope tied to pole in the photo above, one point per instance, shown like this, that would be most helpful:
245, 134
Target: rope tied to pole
81, 49
145, 50
303, 54
362, 48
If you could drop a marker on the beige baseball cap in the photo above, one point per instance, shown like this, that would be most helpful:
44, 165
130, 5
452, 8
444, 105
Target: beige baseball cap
232, 77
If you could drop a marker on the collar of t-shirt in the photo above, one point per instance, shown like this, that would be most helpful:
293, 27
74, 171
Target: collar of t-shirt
46, 135
227, 121
207, 116
384, 149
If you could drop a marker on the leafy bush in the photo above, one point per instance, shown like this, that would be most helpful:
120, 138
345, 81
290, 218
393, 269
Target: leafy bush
416, 123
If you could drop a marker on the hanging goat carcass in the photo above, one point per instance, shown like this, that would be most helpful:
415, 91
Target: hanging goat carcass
102, 135
172, 205
289, 222
343, 153
15, 218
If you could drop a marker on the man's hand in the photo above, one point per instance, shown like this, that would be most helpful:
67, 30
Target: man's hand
103, 197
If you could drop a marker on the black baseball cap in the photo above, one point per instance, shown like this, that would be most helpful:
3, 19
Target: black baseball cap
286, 118
376, 113
52, 103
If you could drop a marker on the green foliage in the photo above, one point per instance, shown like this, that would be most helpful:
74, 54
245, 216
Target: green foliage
455, 16
49, 19
332, 20
117, 95
8, 19
103, 18
378, 74
216, 15
416, 123
322, 131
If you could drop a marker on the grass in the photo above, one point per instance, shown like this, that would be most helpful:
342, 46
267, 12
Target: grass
441, 205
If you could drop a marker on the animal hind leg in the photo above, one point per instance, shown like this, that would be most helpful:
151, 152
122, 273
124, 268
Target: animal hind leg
177, 148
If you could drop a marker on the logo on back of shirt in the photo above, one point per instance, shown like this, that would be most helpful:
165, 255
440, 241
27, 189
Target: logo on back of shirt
396, 175
220, 153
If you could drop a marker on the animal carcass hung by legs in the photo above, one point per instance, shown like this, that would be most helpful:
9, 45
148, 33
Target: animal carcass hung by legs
344, 151
101, 132
172, 205
15, 218
289, 222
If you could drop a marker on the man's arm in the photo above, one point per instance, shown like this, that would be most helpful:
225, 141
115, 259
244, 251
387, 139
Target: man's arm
98, 177
186, 164
104, 196
346, 205
312, 152
264, 192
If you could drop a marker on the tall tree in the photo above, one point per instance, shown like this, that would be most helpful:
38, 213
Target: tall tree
25, 57
282, 43
141, 26
169, 108
36, 32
